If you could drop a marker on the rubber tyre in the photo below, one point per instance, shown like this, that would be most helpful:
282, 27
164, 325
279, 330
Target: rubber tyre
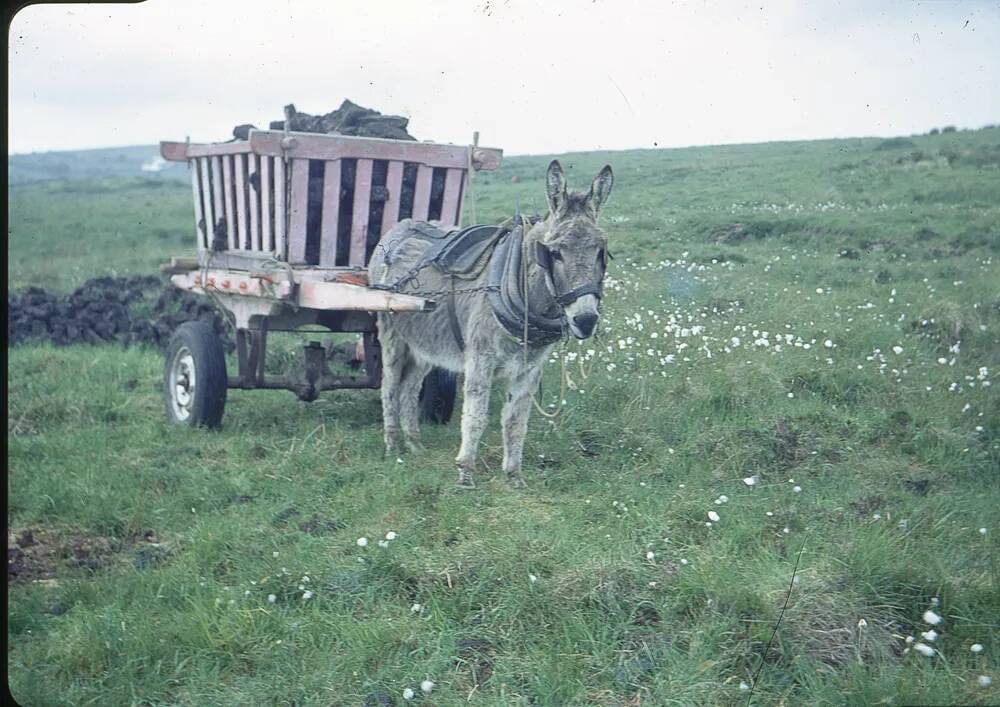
195, 347
437, 396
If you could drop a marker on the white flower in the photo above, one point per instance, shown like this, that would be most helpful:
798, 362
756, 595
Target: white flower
272, 598
713, 516
923, 649
383, 543
416, 608
650, 555
744, 686
862, 623
391, 535
532, 578
935, 601
797, 489
307, 595
897, 350
909, 640
930, 635
683, 561
931, 618
828, 343
408, 694
427, 686
985, 681
723, 499
362, 542
274, 554
982, 531
751, 480
976, 648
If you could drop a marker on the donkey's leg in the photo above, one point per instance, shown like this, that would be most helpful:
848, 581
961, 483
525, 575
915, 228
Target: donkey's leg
475, 410
409, 406
394, 357
516, 411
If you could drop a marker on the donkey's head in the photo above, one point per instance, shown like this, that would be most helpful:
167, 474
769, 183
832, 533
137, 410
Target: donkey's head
573, 250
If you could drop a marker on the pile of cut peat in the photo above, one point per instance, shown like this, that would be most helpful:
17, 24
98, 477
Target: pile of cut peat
121, 310
349, 119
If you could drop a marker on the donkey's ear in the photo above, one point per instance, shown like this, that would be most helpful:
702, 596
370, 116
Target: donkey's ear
555, 186
600, 190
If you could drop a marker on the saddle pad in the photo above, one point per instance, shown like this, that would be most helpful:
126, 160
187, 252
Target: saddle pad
464, 254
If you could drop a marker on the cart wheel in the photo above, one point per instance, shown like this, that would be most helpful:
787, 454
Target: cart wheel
194, 380
437, 397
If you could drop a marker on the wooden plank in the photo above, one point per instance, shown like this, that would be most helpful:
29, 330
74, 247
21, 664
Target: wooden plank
335, 147
359, 216
212, 149
240, 169
316, 294
217, 209
206, 196
174, 151
252, 169
199, 229
394, 185
266, 200
331, 213
298, 208
227, 200
280, 209
422, 193
452, 191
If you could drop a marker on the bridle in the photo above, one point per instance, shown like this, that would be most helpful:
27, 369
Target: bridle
545, 257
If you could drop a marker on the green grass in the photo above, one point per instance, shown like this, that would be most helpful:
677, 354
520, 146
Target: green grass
547, 596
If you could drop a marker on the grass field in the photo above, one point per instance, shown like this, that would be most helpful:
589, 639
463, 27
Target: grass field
821, 319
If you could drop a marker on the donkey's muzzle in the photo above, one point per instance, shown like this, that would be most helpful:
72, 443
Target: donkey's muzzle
585, 323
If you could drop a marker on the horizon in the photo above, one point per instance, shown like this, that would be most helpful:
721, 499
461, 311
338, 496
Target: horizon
561, 78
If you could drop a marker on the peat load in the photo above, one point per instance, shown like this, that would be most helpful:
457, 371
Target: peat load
349, 119
108, 310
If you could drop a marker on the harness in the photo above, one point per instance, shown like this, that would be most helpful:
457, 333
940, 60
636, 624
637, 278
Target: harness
462, 254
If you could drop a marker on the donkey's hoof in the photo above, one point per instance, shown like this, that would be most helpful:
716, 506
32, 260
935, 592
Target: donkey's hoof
464, 480
517, 481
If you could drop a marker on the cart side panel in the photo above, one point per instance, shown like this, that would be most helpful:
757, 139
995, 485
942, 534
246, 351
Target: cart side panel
298, 216
360, 214
254, 182
199, 216
394, 185
280, 208
331, 213
452, 193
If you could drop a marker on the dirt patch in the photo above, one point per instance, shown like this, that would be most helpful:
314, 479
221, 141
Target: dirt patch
475, 658
866, 506
47, 554
122, 310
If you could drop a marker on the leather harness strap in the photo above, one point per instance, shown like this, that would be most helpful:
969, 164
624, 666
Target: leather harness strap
456, 328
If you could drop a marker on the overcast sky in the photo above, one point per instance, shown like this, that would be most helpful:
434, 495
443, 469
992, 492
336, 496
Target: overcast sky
532, 77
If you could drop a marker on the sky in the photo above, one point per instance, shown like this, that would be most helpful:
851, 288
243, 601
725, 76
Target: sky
532, 77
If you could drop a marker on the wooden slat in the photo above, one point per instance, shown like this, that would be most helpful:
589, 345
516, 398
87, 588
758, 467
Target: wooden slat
266, 200
298, 212
394, 184
359, 216
181, 151
227, 200
252, 169
280, 211
331, 213
334, 147
206, 197
240, 168
198, 215
422, 193
217, 209
452, 191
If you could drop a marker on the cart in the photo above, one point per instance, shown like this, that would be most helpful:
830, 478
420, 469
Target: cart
285, 225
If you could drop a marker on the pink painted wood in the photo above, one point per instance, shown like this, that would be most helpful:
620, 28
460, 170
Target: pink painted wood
298, 206
242, 215
266, 202
331, 214
198, 214
359, 217
206, 196
217, 208
254, 169
182, 151
452, 192
332, 147
279, 209
422, 193
227, 200
394, 185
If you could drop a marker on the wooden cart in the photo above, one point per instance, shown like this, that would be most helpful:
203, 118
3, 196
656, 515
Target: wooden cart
285, 224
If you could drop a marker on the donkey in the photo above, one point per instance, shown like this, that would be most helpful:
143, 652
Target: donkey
563, 284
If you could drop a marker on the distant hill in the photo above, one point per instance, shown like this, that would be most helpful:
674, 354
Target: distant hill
135, 161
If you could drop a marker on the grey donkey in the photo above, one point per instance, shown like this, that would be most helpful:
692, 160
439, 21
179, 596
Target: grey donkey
564, 282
